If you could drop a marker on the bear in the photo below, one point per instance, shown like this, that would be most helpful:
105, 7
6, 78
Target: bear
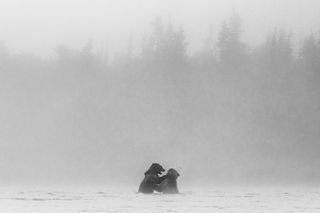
152, 179
169, 184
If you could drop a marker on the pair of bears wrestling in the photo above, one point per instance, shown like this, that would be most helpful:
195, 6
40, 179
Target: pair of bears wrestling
153, 182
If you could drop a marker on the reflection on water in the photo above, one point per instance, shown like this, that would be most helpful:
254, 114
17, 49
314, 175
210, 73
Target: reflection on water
127, 200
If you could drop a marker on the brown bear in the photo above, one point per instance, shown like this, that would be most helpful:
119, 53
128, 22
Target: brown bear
152, 179
169, 184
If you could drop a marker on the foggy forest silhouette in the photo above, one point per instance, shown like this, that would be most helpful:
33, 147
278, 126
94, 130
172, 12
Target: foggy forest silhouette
230, 113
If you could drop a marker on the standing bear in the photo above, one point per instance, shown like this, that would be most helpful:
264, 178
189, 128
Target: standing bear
169, 184
152, 179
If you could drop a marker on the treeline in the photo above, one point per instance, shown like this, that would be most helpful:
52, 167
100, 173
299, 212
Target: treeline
167, 45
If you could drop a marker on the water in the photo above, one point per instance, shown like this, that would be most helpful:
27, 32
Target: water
222, 200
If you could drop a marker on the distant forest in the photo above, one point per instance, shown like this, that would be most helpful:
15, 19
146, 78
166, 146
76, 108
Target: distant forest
252, 111
167, 45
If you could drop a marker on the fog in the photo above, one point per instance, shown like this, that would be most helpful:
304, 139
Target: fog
226, 92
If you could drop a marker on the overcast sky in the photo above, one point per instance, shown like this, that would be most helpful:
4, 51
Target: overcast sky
38, 26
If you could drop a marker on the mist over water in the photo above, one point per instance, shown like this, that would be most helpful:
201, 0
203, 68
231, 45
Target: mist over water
98, 93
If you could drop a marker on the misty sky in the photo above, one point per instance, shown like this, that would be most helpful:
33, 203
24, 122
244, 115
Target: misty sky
38, 26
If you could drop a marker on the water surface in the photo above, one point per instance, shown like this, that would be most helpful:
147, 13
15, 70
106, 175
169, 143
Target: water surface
222, 200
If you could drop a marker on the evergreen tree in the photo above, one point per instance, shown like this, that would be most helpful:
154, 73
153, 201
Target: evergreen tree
166, 45
277, 50
230, 48
310, 53
174, 45
87, 58
208, 54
